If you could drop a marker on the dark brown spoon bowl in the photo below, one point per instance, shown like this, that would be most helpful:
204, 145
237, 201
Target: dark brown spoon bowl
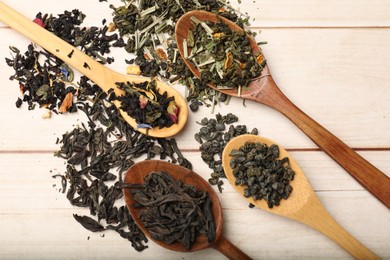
136, 175
264, 90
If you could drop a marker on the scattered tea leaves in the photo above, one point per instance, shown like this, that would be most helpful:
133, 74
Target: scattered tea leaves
213, 137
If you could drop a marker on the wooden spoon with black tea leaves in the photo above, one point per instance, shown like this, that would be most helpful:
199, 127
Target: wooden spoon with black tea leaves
264, 90
302, 205
104, 77
136, 175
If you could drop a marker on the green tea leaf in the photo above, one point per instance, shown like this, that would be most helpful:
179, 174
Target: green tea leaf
42, 90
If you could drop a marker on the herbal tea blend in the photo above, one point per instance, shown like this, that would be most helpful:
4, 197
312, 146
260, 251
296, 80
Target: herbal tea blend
142, 26
257, 167
223, 57
147, 29
213, 137
47, 81
172, 211
147, 106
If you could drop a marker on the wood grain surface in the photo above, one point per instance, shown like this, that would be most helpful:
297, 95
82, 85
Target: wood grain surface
330, 58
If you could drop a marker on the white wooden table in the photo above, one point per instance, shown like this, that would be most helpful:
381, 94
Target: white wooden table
331, 58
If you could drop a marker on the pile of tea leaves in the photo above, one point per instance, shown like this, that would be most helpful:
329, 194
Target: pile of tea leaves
99, 151
257, 167
147, 106
96, 157
147, 28
223, 57
213, 136
184, 211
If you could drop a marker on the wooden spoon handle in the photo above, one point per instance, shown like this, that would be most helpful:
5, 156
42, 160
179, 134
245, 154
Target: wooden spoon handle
229, 250
80, 61
364, 172
315, 215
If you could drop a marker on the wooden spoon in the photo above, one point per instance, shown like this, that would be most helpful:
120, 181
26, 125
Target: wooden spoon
104, 77
136, 174
264, 90
302, 205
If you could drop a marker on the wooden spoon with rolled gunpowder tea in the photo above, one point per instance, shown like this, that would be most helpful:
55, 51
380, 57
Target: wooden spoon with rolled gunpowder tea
300, 203
264, 90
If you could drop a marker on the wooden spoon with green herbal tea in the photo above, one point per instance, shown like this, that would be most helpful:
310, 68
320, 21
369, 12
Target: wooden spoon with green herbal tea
299, 203
135, 177
264, 90
104, 77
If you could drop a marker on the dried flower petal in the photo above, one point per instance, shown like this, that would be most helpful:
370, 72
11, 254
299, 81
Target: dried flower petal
66, 103
144, 126
146, 57
260, 58
173, 111
161, 53
218, 35
21, 88
228, 60
111, 27
143, 101
133, 70
39, 22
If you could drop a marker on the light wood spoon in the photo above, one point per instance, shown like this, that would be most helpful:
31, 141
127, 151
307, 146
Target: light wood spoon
264, 90
136, 175
104, 77
302, 205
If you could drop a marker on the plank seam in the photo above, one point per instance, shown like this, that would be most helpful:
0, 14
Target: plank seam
360, 149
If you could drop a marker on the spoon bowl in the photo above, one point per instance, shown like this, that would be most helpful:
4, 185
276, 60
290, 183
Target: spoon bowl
302, 204
184, 25
263, 89
104, 77
136, 175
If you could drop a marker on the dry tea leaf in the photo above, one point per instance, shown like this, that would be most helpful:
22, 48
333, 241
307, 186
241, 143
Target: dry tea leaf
89, 223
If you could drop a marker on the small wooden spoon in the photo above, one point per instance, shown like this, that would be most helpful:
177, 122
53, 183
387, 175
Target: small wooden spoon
264, 90
136, 175
302, 205
104, 77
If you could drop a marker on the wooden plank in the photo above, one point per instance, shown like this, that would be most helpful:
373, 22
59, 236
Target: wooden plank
330, 58
301, 13
339, 77
279, 13
37, 219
